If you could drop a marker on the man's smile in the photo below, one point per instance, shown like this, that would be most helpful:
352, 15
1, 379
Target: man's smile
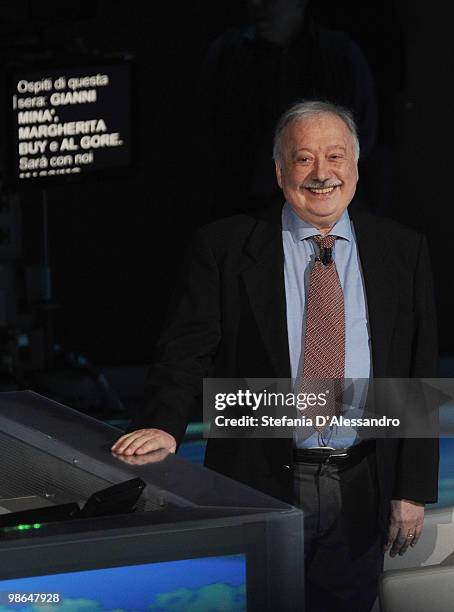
322, 190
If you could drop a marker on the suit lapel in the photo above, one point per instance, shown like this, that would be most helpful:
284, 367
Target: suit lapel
263, 277
381, 288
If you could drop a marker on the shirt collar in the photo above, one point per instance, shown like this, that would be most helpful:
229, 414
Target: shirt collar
301, 229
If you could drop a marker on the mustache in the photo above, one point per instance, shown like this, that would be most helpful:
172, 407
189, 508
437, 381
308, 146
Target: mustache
314, 184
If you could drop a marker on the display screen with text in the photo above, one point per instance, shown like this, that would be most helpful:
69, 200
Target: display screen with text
70, 123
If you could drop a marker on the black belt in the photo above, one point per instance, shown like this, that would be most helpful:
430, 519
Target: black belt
343, 456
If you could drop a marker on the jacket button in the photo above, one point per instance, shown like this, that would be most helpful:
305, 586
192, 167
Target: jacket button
286, 467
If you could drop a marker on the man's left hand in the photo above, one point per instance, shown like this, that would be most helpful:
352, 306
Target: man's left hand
405, 525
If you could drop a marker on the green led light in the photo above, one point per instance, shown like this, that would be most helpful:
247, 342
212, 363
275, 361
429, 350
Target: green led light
21, 527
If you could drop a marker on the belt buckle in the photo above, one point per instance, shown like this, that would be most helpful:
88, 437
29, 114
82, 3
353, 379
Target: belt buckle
333, 457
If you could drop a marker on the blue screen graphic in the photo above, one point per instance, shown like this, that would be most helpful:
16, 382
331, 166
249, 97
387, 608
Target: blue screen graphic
208, 584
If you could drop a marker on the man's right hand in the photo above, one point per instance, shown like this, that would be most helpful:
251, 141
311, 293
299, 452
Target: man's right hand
144, 441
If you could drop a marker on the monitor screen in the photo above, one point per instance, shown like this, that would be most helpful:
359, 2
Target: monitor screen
69, 122
206, 583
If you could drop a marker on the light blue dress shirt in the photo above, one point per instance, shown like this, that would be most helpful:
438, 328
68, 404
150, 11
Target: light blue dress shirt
299, 254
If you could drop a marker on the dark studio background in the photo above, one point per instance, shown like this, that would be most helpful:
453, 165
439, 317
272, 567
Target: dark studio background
115, 246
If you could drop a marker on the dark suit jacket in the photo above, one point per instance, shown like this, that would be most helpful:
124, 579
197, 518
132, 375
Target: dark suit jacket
229, 321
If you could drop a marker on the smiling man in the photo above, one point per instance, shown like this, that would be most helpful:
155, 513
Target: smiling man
308, 292
316, 165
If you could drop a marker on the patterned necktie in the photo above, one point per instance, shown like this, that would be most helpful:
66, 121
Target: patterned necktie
324, 340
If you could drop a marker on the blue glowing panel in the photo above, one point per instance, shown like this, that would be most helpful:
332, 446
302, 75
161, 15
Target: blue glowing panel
189, 585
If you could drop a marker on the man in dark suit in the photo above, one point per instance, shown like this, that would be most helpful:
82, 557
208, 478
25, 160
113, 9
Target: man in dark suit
247, 309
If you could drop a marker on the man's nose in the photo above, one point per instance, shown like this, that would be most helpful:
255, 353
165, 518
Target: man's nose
321, 170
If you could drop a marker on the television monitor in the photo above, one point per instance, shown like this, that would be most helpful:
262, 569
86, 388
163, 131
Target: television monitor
200, 583
69, 120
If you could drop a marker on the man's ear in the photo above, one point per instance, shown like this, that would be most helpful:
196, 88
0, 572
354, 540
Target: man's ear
278, 174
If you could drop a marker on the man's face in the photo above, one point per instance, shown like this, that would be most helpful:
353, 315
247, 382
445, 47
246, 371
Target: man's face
318, 170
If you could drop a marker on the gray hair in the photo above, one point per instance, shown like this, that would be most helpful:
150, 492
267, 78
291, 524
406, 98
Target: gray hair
311, 108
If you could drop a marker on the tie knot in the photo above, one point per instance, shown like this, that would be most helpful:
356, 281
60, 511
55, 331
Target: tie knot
325, 242
326, 248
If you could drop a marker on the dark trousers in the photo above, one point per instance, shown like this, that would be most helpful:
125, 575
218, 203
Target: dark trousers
343, 545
